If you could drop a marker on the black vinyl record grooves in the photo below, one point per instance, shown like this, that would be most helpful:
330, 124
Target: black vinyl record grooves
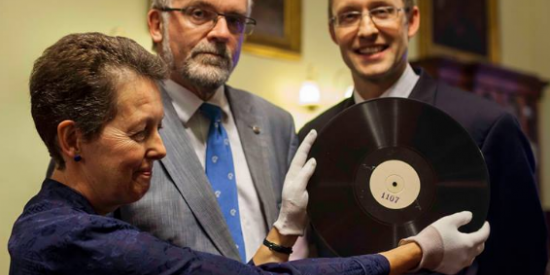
389, 167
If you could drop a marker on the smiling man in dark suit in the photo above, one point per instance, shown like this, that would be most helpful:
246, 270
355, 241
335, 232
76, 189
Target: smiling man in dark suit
373, 37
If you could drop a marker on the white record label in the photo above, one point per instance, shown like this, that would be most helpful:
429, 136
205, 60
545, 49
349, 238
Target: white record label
394, 184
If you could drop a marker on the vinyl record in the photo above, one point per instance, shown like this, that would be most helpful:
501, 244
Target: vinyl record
386, 169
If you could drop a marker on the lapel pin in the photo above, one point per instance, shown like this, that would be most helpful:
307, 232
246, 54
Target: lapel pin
256, 129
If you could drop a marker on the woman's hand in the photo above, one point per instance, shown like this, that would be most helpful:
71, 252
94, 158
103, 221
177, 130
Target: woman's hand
447, 250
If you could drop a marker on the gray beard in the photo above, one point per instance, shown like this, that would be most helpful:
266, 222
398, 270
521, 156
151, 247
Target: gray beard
207, 67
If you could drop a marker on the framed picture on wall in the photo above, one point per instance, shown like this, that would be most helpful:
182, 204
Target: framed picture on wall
278, 30
465, 29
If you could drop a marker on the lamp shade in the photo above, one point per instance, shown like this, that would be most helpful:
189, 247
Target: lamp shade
309, 93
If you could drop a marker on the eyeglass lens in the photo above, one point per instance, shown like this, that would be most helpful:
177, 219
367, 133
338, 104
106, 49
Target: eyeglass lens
383, 17
237, 24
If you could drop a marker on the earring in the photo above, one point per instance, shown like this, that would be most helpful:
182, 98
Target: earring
77, 158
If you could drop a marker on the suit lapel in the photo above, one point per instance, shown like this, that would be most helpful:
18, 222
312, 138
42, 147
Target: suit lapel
252, 132
425, 89
183, 166
347, 103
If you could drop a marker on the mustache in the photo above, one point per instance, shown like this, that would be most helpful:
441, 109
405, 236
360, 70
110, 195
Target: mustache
219, 49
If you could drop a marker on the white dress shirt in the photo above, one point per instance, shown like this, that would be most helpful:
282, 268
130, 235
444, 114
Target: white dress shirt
402, 88
197, 125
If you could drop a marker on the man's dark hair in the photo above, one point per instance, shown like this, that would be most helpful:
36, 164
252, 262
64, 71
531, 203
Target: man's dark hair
76, 79
408, 4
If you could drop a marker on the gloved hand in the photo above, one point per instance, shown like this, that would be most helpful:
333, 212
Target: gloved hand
447, 250
293, 216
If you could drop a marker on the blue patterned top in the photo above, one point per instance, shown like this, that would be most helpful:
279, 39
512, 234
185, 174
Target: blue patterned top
60, 233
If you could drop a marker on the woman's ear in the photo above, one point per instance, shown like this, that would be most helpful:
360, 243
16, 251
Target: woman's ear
69, 139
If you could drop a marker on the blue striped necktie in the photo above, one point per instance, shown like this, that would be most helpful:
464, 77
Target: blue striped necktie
221, 173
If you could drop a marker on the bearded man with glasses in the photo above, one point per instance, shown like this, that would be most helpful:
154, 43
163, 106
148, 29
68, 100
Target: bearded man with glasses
373, 37
221, 202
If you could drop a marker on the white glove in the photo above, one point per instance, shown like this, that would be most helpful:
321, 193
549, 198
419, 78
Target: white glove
447, 250
293, 216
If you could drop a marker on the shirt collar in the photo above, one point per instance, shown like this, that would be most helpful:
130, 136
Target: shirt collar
187, 103
402, 88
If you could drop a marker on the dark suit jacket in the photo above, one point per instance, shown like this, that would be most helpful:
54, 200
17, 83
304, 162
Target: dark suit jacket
518, 240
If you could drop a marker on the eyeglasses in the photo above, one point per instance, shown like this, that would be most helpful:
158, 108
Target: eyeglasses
381, 17
203, 17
